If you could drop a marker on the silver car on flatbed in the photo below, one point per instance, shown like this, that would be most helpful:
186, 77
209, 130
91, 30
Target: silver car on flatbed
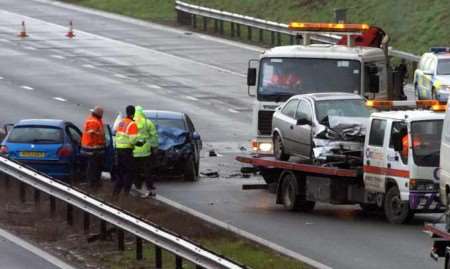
320, 126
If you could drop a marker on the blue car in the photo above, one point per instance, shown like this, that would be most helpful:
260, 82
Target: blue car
180, 143
49, 146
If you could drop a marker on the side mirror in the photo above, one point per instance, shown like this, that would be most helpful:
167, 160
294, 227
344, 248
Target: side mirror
303, 121
196, 136
251, 76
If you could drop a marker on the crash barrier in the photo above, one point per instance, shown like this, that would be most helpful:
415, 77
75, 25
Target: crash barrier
188, 14
120, 220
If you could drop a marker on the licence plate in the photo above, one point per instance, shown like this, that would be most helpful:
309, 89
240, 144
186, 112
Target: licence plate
32, 154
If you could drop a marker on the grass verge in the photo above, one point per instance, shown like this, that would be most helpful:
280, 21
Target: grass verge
34, 222
414, 26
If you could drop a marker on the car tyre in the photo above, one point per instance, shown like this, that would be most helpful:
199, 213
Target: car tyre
291, 198
278, 149
396, 210
190, 170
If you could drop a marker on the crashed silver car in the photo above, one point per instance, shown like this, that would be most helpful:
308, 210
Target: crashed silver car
321, 127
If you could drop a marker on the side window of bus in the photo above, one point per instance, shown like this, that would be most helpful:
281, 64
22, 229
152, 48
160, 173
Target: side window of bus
377, 131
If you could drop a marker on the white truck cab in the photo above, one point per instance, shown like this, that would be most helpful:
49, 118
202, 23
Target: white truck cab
401, 162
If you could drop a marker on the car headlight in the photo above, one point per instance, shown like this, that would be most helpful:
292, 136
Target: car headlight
422, 185
262, 147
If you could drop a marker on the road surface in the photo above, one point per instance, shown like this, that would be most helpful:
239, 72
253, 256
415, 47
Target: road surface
115, 62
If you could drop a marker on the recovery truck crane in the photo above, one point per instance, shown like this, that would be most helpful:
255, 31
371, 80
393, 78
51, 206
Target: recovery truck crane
397, 172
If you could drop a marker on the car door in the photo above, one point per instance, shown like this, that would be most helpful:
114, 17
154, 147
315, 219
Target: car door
285, 123
302, 133
375, 163
109, 150
74, 135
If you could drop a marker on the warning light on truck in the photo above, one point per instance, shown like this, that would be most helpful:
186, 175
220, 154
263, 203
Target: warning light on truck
330, 27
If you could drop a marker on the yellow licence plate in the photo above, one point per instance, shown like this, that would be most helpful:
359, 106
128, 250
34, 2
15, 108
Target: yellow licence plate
32, 154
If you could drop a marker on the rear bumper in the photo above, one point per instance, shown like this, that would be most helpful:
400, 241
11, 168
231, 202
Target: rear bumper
55, 169
425, 202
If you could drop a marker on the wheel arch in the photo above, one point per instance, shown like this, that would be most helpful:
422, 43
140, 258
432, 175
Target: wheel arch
390, 182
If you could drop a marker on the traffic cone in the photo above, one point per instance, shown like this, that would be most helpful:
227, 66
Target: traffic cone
70, 34
23, 32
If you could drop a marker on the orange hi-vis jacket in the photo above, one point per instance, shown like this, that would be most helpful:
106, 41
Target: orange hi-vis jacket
93, 134
126, 134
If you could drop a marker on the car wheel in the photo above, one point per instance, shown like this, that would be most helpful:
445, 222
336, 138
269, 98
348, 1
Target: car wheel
396, 210
278, 149
190, 171
291, 198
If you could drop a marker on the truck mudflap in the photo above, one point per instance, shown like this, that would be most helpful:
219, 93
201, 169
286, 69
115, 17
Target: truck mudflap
428, 202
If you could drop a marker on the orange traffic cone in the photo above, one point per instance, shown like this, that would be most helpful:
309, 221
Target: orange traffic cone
70, 34
23, 32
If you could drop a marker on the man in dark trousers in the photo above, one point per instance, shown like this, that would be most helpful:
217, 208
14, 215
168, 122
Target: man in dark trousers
125, 141
93, 146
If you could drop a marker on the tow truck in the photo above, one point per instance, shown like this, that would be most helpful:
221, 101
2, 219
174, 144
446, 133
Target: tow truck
397, 174
358, 63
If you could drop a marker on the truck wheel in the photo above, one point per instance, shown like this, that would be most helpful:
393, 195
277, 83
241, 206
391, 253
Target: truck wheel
396, 210
190, 173
278, 149
291, 197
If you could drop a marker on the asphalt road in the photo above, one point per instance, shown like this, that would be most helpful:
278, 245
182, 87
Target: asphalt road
21, 255
115, 62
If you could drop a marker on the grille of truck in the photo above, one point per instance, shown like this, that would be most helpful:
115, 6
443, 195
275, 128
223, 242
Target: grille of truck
265, 122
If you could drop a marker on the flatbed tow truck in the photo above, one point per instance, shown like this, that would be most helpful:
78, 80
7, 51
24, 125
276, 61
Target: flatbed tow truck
399, 181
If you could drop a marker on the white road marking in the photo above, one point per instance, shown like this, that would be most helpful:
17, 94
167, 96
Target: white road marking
191, 98
120, 76
4, 40
233, 110
153, 86
36, 251
29, 48
88, 66
28, 88
59, 99
58, 57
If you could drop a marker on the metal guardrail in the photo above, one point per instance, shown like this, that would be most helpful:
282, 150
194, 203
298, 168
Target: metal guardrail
236, 20
121, 220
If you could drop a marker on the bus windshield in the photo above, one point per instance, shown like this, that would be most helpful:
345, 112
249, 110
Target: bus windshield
280, 78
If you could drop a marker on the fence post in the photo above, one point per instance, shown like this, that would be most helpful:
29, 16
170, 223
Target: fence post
52, 206
178, 262
238, 30
249, 33
37, 196
205, 24
216, 26
103, 229
194, 21
86, 222
261, 35
232, 29
221, 27
139, 254
158, 257
278, 39
121, 239
70, 214
272, 38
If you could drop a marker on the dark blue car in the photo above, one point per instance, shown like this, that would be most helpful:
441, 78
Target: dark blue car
48, 146
180, 143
